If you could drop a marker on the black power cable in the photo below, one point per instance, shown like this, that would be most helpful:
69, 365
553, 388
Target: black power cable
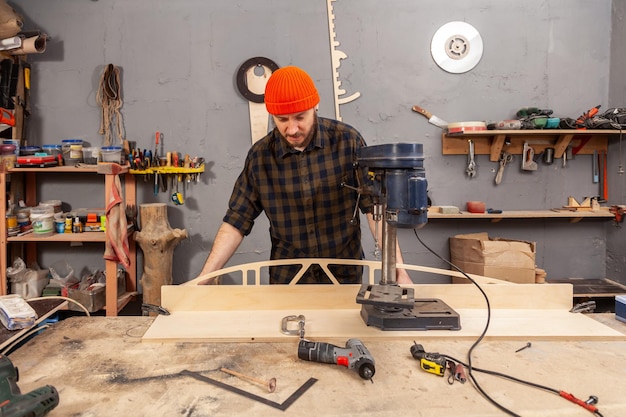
470, 368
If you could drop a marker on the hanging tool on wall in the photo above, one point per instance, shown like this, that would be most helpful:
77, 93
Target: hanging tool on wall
620, 166
604, 191
109, 97
432, 119
471, 164
528, 162
252, 77
155, 157
505, 158
336, 56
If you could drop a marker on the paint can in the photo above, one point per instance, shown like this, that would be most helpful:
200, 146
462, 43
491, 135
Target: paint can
59, 226
42, 219
55, 204
23, 216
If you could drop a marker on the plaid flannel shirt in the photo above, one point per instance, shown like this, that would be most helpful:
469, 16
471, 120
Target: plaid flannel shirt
301, 194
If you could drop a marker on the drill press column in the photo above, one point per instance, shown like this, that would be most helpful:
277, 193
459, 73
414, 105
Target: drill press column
390, 234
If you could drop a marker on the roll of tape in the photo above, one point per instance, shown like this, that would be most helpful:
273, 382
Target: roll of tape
463, 127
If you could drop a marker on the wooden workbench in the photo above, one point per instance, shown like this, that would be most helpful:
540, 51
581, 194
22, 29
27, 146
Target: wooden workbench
101, 368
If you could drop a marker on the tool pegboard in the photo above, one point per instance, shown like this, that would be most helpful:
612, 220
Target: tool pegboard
494, 142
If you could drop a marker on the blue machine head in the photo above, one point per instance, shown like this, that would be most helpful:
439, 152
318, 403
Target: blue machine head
399, 180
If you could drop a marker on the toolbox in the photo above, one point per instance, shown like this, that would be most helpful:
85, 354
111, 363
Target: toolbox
620, 307
36, 161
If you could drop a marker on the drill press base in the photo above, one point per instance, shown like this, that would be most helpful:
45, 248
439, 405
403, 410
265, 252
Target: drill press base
426, 314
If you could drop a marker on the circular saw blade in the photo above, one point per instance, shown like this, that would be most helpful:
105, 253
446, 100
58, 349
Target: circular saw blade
456, 47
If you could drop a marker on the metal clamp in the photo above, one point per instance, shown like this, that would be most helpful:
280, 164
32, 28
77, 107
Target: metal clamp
151, 308
585, 307
284, 328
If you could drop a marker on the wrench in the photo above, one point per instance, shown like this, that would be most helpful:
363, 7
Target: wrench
505, 158
471, 165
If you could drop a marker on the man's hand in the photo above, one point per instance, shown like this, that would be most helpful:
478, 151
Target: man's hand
402, 277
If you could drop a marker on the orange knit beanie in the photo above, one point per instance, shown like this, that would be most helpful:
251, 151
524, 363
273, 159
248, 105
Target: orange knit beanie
290, 90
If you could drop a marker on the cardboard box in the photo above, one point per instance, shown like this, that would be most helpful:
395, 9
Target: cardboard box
505, 259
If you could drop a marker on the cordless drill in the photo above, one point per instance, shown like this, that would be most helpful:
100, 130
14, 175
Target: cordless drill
36, 403
354, 356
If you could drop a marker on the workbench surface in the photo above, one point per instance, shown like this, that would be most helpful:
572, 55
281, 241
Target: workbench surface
100, 367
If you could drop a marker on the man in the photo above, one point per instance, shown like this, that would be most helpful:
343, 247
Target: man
295, 175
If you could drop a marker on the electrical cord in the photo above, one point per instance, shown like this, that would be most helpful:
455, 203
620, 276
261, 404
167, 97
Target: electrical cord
471, 368
71, 300
482, 335
19, 340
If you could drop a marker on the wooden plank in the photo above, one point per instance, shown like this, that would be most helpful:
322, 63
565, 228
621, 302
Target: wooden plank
539, 139
338, 297
603, 213
337, 325
254, 313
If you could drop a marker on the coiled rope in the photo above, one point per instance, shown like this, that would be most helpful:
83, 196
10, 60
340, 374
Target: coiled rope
109, 97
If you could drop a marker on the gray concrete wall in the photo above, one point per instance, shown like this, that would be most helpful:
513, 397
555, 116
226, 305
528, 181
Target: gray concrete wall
616, 239
179, 61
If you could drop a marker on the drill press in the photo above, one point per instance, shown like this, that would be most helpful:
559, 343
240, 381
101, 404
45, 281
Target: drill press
399, 190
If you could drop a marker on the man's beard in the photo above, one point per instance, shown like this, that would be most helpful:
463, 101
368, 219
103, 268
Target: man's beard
307, 139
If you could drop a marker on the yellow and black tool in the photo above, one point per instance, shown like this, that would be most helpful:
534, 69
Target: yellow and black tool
433, 363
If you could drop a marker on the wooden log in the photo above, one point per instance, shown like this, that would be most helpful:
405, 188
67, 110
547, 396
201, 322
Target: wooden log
157, 240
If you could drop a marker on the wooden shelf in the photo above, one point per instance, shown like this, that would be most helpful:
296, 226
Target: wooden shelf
79, 169
493, 142
113, 303
61, 237
573, 216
